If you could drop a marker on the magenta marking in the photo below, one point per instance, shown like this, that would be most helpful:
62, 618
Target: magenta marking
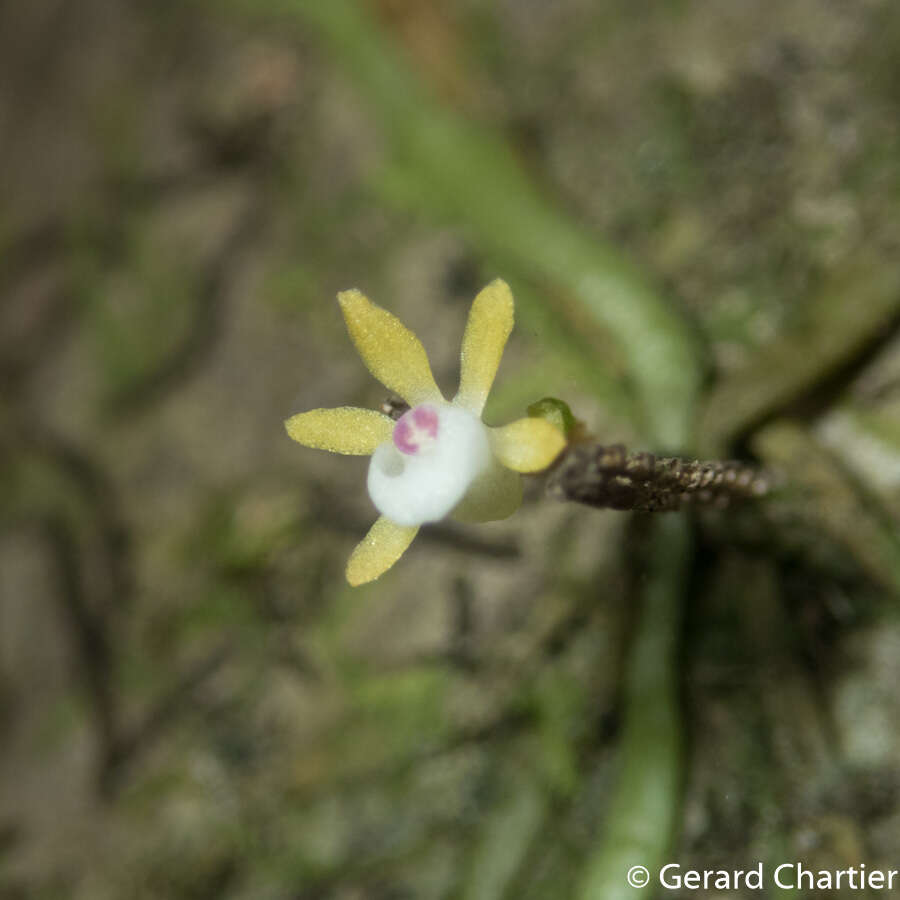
403, 435
425, 418
414, 428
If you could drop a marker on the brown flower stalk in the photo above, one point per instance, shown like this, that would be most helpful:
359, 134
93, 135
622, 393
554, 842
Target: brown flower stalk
609, 477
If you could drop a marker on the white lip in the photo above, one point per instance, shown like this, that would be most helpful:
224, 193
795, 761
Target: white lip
426, 486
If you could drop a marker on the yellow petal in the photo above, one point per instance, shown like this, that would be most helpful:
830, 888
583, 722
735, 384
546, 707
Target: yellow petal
495, 494
527, 445
379, 550
346, 429
489, 325
391, 352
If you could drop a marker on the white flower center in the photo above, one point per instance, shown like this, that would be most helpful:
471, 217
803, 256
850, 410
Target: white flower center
421, 474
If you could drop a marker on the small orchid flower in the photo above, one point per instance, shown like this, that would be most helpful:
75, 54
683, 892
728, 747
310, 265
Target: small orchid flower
438, 458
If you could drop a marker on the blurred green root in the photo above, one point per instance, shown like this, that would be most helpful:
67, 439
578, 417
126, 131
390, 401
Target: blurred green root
855, 305
463, 174
643, 812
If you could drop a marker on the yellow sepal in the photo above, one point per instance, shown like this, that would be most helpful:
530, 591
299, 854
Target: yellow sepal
490, 322
346, 429
379, 550
527, 445
391, 352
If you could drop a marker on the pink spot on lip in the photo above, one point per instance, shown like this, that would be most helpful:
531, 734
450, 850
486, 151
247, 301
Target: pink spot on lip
415, 427
403, 436
425, 419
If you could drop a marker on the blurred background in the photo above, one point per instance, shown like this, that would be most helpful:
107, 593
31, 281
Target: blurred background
695, 204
